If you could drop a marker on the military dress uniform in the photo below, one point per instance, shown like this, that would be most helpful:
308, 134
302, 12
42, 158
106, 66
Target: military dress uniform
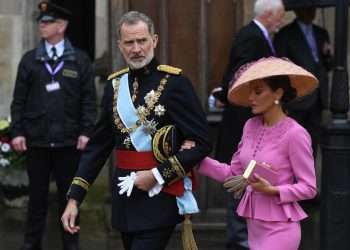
161, 96
51, 112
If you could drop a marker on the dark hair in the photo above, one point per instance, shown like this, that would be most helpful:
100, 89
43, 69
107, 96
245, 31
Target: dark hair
282, 82
132, 18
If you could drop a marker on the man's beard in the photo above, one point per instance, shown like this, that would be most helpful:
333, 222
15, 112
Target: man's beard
143, 63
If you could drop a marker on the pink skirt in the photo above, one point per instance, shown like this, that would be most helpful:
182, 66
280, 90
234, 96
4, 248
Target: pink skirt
271, 235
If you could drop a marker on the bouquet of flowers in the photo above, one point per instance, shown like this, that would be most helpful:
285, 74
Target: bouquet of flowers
13, 177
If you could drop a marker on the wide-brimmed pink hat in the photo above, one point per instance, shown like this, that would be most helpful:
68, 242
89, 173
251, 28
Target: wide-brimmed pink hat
303, 81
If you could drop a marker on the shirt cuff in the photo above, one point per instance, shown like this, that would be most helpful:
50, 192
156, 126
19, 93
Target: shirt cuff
158, 176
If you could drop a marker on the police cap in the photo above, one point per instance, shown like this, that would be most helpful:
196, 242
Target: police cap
50, 12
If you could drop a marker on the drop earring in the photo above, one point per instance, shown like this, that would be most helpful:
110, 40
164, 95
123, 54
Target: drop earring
276, 102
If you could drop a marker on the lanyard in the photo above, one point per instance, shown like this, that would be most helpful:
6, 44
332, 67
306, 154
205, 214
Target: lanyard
54, 72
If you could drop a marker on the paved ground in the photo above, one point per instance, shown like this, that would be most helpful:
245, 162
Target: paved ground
96, 233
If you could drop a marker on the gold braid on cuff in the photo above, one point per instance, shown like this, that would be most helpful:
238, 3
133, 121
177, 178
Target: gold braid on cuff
176, 165
81, 183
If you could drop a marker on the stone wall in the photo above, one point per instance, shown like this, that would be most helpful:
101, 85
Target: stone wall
11, 50
17, 34
101, 28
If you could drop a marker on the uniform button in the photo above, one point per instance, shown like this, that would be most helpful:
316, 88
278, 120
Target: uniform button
52, 144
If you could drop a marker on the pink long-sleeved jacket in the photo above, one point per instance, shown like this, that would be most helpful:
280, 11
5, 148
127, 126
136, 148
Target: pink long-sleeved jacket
286, 146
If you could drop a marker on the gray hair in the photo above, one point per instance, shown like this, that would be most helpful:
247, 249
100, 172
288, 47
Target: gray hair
133, 17
262, 6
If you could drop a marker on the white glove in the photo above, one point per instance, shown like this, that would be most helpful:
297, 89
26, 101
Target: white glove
126, 184
155, 190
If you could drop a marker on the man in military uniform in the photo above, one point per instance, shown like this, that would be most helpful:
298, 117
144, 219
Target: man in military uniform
139, 102
53, 113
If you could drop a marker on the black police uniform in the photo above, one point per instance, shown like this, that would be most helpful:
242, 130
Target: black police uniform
51, 122
140, 214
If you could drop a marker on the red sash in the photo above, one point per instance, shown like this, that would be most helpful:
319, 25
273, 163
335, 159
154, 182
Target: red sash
133, 160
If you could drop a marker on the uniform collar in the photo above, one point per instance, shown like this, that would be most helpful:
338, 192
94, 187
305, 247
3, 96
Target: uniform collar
151, 67
59, 48
68, 52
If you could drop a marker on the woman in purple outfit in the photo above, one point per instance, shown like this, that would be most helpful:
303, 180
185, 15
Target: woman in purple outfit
272, 211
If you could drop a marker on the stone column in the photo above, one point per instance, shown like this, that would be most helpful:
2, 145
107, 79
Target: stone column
17, 35
116, 9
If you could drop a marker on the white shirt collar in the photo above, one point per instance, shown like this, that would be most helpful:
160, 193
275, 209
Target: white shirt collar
59, 48
262, 28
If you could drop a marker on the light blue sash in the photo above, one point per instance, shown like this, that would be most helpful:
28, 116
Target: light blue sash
142, 141
128, 115
187, 203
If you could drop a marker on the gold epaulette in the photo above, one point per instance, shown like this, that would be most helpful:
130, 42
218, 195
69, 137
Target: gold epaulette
118, 73
169, 69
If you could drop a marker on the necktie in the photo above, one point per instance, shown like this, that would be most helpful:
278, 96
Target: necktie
310, 38
271, 45
54, 54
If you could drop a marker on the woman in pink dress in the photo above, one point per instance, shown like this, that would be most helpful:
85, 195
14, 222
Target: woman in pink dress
272, 211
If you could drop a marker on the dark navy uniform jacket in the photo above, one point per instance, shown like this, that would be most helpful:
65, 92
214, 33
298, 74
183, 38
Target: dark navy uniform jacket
54, 118
182, 109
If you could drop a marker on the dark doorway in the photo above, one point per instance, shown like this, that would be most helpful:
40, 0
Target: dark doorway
81, 29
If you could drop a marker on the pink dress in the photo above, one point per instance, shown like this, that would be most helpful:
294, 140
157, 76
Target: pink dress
285, 146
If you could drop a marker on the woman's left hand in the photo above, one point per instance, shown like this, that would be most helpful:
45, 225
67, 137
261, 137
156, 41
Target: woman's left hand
145, 180
260, 184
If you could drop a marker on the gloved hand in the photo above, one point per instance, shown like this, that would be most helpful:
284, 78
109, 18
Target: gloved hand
126, 184
236, 185
155, 190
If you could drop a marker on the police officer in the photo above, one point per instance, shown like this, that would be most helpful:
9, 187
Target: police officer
53, 113
140, 102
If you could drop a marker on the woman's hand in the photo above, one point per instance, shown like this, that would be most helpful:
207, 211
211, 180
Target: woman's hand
145, 180
260, 184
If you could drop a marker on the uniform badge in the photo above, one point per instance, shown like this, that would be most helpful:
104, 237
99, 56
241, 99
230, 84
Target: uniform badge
70, 73
43, 6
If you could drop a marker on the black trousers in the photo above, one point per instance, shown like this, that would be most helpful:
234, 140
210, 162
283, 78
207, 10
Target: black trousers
237, 234
41, 163
155, 239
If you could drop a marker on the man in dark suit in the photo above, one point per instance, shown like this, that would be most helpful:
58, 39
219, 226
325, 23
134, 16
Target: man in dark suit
307, 45
251, 43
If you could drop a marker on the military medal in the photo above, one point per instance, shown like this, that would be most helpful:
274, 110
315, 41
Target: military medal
127, 142
150, 126
143, 111
159, 110
151, 98
135, 86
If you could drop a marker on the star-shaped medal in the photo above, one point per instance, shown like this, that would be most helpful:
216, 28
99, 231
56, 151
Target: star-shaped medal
159, 110
150, 126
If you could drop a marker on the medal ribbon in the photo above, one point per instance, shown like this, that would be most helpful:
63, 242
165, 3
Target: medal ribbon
128, 115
